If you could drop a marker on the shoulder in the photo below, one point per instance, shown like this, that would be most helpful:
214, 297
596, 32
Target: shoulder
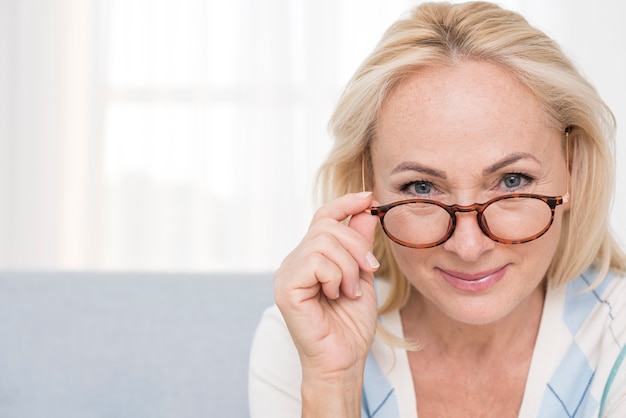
275, 375
591, 305
583, 332
272, 344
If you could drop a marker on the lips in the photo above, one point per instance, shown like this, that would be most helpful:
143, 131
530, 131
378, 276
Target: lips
474, 282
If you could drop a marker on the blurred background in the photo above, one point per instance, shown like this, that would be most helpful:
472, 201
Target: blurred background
184, 135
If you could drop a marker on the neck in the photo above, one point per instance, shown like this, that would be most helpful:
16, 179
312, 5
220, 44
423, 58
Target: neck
431, 328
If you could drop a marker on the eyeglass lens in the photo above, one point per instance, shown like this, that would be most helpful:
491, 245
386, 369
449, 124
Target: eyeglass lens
422, 224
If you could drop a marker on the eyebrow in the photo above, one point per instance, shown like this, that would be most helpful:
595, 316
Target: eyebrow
420, 168
508, 160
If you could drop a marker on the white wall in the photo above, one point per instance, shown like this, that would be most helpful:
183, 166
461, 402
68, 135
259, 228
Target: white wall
57, 210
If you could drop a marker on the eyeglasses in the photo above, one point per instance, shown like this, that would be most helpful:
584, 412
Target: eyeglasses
508, 219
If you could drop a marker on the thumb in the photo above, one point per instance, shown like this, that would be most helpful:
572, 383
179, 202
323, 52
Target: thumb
365, 224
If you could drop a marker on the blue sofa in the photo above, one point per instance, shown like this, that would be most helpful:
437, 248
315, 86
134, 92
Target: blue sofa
127, 345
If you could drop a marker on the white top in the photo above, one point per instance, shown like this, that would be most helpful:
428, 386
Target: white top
581, 336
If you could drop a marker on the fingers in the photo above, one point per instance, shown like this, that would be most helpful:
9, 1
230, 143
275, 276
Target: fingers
334, 267
365, 225
334, 256
358, 237
344, 207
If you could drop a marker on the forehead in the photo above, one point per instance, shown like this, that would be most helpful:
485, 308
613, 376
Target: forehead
471, 109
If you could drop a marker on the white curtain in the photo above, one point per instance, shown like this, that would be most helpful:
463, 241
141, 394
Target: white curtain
185, 134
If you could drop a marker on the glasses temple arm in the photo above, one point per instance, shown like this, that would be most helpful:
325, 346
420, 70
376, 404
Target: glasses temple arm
566, 196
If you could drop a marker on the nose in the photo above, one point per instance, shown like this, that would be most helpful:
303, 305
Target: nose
468, 241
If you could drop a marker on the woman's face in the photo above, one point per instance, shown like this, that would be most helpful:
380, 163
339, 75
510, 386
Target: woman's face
464, 134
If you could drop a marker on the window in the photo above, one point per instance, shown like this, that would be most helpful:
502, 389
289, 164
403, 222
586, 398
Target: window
164, 135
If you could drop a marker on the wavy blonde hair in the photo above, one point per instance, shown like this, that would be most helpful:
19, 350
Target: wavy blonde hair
443, 34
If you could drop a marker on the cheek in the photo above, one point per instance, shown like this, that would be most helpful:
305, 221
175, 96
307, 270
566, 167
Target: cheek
543, 249
531, 261
412, 261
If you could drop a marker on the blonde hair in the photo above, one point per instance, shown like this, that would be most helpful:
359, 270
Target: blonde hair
442, 34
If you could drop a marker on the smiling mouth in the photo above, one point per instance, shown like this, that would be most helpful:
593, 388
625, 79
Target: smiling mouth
474, 281
472, 277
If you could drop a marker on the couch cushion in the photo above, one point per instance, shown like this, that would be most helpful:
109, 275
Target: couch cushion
127, 345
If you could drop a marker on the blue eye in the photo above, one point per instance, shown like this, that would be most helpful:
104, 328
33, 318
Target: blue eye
515, 180
418, 187
512, 181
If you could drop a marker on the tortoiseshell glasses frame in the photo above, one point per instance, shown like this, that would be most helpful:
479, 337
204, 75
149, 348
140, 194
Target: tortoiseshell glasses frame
551, 201
479, 208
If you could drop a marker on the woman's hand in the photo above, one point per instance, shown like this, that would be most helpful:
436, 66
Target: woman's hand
325, 291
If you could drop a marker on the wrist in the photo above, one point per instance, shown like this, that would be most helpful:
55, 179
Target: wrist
334, 395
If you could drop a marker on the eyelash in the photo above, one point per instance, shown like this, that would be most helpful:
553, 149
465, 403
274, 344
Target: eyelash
408, 188
525, 180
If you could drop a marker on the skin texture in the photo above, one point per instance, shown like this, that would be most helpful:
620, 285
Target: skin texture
460, 134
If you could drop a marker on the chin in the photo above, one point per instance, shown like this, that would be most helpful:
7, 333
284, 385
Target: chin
477, 316
486, 309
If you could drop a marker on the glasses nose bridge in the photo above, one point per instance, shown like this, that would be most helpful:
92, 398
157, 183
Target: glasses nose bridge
476, 207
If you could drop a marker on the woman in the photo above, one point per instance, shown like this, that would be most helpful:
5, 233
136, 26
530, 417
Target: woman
462, 265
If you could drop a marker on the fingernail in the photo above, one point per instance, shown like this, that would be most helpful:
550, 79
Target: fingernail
363, 195
357, 290
371, 260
